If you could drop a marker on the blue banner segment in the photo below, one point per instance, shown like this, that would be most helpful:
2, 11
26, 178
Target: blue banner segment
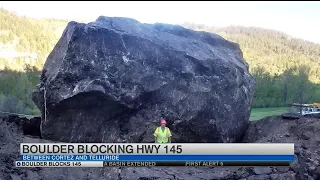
157, 157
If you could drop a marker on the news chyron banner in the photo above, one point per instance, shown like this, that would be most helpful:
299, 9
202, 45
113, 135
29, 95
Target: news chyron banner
149, 155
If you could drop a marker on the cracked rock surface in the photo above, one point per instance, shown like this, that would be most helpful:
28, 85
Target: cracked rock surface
113, 79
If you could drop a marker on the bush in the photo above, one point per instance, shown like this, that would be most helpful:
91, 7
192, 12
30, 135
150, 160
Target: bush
35, 111
11, 104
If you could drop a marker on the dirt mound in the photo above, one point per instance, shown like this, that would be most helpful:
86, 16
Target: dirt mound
29, 127
303, 132
291, 116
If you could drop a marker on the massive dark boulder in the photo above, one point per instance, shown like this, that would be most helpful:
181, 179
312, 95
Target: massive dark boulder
113, 79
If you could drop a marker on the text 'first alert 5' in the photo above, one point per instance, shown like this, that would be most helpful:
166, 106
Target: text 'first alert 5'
152, 148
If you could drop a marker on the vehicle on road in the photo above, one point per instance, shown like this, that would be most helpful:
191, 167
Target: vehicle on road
305, 109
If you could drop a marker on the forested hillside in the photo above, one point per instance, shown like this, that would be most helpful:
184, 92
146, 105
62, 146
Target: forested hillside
271, 50
24, 45
25, 40
286, 69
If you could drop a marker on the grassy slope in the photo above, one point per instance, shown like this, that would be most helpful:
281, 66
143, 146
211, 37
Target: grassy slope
259, 113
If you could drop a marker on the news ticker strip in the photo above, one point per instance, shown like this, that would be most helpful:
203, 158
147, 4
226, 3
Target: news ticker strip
152, 158
153, 148
152, 164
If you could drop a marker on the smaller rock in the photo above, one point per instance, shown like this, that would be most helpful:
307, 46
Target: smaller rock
304, 145
306, 135
258, 177
295, 166
282, 169
33, 176
317, 137
300, 121
288, 175
262, 170
309, 160
241, 173
317, 172
312, 168
308, 177
15, 177
286, 135
274, 176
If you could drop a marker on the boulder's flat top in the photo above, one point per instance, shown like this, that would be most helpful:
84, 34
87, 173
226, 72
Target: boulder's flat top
118, 76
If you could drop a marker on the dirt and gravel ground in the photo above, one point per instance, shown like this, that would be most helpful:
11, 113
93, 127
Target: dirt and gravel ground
304, 132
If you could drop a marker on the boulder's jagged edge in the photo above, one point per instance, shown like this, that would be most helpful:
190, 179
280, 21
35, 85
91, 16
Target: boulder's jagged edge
111, 80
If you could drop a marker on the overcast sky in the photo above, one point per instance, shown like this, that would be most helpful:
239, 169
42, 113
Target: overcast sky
298, 19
